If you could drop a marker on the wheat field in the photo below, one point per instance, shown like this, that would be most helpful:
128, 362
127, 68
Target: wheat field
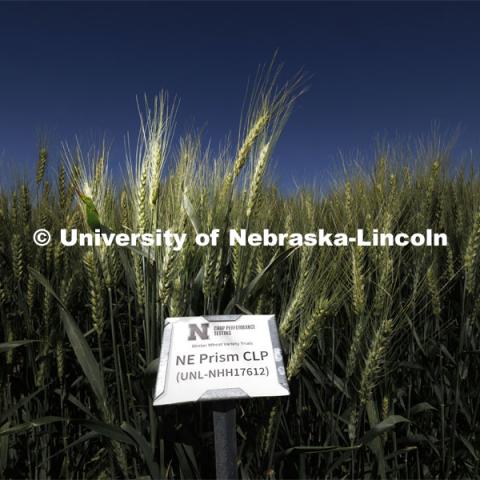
381, 344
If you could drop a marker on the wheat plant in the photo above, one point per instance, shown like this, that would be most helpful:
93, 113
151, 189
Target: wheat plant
381, 344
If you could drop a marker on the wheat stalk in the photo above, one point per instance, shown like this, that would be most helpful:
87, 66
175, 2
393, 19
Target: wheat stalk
358, 290
141, 199
299, 298
356, 344
471, 254
434, 291
308, 332
61, 187
254, 132
375, 358
352, 425
97, 303
18, 260
257, 178
166, 286
41, 164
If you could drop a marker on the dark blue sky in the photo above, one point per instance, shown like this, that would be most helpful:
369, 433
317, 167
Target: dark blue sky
376, 68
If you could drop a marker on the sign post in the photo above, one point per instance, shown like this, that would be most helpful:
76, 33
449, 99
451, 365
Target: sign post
220, 358
225, 431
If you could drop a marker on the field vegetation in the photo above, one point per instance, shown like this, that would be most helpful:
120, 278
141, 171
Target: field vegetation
381, 344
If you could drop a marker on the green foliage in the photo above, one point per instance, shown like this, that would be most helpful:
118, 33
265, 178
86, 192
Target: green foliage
381, 344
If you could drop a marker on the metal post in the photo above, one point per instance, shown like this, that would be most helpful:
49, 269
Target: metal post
225, 426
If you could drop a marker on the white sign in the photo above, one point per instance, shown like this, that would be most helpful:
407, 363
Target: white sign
218, 357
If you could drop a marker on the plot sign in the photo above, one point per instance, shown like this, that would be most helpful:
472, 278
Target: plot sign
220, 357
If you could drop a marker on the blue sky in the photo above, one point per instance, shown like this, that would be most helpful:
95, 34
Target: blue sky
375, 68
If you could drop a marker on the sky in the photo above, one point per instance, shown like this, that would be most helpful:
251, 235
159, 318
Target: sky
375, 69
